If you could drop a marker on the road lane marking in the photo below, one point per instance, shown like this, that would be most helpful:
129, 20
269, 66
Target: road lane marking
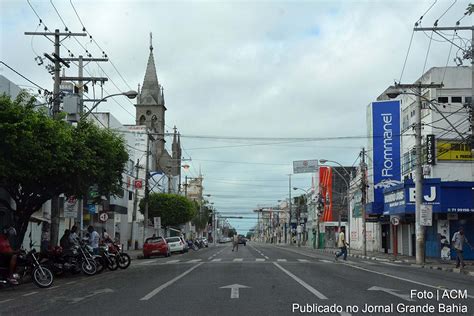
146, 262
303, 260
238, 260
216, 260
390, 264
326, 261
165, 285
266, 257
281, 260
28, 294
54, 287
369, 262
302, 283
234, 289
172, 261
72, 282
259, 260
194, 261
396, 277
7, 300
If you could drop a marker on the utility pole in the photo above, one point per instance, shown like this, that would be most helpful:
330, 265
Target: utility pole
419, 230
289, 208
135, 204
57, 60
147, 177
363, 171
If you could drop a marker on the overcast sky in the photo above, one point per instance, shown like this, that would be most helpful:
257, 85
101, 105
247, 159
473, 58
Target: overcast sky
244, 68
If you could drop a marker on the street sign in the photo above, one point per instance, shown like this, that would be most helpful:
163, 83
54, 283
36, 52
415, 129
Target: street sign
70, 207
91, 208
157, 222
138, 184
426, 215
305, 166
103, 217
395, 220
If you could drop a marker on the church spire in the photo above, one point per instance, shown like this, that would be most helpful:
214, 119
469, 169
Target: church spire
151, 89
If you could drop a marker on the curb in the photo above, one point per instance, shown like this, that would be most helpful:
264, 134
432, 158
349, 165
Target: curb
436, 267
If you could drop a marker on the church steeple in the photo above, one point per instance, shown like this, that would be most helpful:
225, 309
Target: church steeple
151, 93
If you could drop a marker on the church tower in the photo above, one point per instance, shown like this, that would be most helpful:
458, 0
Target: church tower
150, 107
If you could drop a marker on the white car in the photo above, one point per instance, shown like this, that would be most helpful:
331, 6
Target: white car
176, 244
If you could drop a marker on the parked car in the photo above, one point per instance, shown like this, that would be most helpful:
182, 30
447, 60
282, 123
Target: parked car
205, 242
186, 246
156, 246
176, 244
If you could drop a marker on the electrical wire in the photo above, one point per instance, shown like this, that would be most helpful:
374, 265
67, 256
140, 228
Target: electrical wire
427, 53
24, 77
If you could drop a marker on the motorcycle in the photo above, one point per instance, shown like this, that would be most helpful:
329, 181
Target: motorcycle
29, 263
192, 245
60, 261
109, 260
123, 259
87, 261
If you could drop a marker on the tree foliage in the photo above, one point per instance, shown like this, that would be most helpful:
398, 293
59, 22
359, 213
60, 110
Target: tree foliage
173, 209
41, 157
201, 220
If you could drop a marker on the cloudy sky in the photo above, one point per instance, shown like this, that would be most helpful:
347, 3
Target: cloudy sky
246, 73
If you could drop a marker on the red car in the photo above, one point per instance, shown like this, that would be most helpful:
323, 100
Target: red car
156, 246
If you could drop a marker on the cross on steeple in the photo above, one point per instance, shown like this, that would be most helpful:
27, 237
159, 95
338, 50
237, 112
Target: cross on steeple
151, 41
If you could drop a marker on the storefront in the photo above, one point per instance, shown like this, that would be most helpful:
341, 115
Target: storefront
448, 205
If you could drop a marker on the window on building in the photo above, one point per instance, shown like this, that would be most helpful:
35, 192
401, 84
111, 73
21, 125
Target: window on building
467, 99
443, 99
456, 99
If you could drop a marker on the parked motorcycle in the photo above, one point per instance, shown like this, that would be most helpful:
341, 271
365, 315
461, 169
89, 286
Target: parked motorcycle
61, 261
86, 260
123, 259
192, 245
108, 259
28, 263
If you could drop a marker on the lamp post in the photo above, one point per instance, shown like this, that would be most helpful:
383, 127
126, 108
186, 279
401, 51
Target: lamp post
129, 94
324, 161
298, 217
419, 230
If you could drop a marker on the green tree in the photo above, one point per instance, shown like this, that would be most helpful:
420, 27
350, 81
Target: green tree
201, 220
173, 209
41, 157
231, 232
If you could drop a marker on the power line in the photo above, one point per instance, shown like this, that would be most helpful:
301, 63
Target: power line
24, 77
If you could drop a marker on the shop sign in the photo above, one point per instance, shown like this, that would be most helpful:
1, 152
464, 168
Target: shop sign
426, 215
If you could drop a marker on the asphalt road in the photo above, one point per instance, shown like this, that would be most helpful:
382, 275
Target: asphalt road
257, 280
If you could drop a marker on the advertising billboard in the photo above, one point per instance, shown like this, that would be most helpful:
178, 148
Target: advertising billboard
325, 191
386, 148
305, 166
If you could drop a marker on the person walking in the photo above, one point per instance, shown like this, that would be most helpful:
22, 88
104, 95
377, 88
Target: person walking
235, 242
342, 245
458, 243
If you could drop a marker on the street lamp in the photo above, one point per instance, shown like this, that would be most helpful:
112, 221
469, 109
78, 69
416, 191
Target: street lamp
129, 94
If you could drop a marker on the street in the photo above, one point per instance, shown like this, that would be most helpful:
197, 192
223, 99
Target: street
259, 279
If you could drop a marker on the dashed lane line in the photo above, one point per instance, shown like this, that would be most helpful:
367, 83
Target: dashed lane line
303, 260
326, 261
7, 300
266, 257
281, 260
259, 259
31, 293
194, 260
216, 260
238, 260
53, 287
172, 261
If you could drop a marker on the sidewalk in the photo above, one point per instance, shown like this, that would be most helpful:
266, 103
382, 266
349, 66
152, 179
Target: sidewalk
430, 263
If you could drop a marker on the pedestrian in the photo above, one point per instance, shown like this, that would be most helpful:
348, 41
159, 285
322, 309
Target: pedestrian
342, 245
94, 238
235, 242
45, 237
73, 238
458, 243
64, 241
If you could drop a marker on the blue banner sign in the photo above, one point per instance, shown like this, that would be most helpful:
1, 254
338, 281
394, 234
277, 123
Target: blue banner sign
386, 148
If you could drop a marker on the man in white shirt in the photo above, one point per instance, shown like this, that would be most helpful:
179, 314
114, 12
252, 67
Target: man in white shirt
94, 239
458, 243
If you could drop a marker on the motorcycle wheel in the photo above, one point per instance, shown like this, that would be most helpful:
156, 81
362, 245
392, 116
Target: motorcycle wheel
42, 277
124, 261
112, 263
89, 267
99, 263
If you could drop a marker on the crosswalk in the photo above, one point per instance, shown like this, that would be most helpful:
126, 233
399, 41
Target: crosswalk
159, 261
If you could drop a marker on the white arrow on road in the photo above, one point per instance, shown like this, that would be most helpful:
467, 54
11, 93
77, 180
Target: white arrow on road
234, 289
391, 291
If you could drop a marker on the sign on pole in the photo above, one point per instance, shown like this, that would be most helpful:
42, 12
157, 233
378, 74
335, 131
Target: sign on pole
70, 210
430, 150
426, 215
157, 222
103, 217
305, 166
